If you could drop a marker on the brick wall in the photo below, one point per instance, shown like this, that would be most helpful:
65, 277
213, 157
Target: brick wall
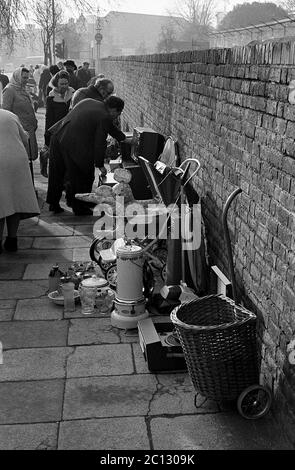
230, 109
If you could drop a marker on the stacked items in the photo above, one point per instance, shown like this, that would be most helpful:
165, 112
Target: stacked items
83, 282
106, 195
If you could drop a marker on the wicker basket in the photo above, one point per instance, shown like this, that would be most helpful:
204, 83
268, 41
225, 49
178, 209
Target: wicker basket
218, 338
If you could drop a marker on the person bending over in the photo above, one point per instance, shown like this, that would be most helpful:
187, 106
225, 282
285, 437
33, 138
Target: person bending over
77, 146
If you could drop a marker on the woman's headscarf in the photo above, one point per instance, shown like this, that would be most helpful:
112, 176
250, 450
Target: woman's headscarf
16, 78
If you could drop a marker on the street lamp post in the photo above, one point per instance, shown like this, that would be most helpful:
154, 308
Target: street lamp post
98, 38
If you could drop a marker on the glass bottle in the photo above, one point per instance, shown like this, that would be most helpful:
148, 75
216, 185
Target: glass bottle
68, 294
54, 278
72, 274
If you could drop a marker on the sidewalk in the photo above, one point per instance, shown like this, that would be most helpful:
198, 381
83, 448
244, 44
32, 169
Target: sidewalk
75, 382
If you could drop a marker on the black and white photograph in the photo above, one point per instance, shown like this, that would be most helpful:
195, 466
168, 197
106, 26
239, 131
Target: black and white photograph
147, 230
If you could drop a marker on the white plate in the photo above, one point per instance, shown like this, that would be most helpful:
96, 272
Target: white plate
58, 299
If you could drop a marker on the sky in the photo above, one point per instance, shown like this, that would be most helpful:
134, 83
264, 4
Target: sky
162, 7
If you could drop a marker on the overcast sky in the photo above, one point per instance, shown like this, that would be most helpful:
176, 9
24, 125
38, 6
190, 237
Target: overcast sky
161, 7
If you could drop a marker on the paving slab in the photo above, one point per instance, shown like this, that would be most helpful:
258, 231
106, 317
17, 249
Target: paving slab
31, 402
78, 314
114, 359
215, 432
97, 330
44, 229
11, 271
92, 331
41, 271
95, 397
25, 243
129, 336
175, 395
22, 289
81, 254
38, 309
28, 436
38, 256
45, 243
6, 314
29, 222
141, 366
33, 334
34, 364
7, 309
102, 434
84, 230
69, 219
7, 303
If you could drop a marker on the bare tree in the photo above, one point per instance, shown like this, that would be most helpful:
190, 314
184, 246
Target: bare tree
194, 17
167, 38
48, 22
11, 13
288, 5
197, 12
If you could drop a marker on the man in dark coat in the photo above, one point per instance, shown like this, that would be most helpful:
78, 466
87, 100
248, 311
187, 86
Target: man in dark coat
99, 91
84, 74
71, 68
77, 146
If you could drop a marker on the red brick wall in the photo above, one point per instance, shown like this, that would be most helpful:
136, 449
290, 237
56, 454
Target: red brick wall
230, 109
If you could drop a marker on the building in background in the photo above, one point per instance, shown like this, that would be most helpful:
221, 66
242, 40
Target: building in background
123, 33
130, 33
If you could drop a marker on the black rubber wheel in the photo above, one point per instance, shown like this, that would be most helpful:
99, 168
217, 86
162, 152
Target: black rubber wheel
161, 253
97, 245
148, 280
254, 402
111, 276
104, 265
164, 273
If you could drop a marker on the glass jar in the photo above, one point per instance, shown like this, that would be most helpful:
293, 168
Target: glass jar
88, 290
104, 300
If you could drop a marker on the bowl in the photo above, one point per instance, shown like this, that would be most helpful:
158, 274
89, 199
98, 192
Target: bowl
58, 298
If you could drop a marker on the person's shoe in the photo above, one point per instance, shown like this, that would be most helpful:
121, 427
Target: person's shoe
10, 244
56, 208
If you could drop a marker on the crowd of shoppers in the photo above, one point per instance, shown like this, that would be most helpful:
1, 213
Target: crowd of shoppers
80, 113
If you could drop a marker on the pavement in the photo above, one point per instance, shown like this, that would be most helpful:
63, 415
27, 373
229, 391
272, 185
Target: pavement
73, 382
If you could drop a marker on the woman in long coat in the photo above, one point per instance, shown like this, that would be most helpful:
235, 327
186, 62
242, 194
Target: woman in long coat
17, 195
57, 106
17, 100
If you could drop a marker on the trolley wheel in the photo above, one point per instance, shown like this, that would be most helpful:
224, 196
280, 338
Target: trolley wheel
111, 276
97, 245
161, 253
164, 273
148, 280
104, 265
254, 402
